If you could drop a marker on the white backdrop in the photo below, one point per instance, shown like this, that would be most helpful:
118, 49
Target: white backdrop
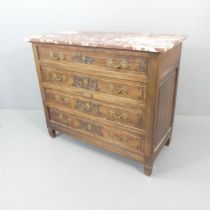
20, 18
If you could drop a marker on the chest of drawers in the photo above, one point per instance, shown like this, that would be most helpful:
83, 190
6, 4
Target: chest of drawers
114, 90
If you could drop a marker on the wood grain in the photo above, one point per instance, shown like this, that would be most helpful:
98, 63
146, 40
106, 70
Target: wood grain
120, 100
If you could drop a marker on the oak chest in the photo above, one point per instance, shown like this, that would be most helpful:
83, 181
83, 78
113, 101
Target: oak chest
114, 90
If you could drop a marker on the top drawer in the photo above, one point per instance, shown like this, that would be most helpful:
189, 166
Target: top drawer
110, 60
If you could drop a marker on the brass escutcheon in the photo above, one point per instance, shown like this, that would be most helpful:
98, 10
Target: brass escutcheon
87, 106
89, 127
85, 81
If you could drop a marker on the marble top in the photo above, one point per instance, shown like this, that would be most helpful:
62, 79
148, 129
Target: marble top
126, 41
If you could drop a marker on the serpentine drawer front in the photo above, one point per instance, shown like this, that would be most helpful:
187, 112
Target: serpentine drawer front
114, 90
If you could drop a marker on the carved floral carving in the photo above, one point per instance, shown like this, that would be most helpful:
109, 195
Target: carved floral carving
83, 59
85, 82
87, 106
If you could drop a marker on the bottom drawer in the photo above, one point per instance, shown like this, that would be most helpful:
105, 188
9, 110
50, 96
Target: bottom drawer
105, 133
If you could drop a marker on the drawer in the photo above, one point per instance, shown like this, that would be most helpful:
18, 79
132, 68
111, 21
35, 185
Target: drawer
106, 111
98, 130
110, 60
120, 88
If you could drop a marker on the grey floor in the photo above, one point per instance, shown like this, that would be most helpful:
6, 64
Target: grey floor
38, 173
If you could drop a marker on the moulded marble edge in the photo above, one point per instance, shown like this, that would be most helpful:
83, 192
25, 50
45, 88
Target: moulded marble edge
125, 41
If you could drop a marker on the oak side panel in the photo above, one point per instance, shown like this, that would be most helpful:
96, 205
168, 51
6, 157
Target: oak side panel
165, 107
168, 79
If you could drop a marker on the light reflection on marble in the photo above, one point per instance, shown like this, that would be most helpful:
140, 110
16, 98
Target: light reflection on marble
126, 41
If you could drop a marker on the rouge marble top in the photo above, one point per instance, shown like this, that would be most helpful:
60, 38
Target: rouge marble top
126, 41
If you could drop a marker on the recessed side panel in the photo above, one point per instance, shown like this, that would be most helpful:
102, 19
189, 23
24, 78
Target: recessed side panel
165, 107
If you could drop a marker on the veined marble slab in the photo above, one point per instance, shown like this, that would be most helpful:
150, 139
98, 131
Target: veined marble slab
125, 41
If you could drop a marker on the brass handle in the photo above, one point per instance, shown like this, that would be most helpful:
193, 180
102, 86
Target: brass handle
57, 98
65, 100
60, 116
58, 78
116, 137
59, 56
118, 116
122, 90
123, 64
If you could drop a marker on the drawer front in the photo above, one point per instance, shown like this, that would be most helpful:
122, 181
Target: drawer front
107, 134
121, 88
110, 60
95, 108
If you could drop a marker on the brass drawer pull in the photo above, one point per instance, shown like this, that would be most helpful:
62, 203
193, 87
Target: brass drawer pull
118, 116
121, 91
58, 78
67, 120
118, 138
123, 64
65, 100
59, 56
